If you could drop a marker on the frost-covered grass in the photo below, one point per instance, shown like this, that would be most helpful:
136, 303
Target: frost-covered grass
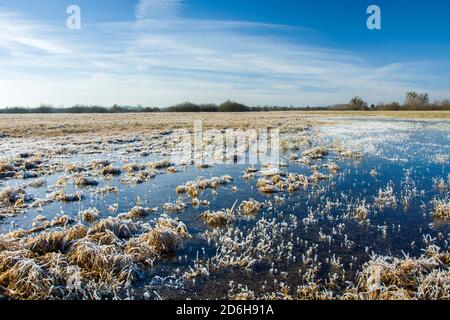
352, 210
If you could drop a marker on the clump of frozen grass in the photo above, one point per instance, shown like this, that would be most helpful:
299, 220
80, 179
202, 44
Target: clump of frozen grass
441, 158
171, 170
267, 187
133, 167
54, 241
37, 183
103, 262
90, 215
83, 181
62, 181
440, 184
7, 167
138, 177
193, 188
317, 177
162, 164
362, 212
164, 239
121, 228
74, 168
240, 292
271, 172
110, 170
13, 197
175, 207
315, 153
61, 195
286, 182
236, 248
137, 212
197, 203
250, 207
293, 142
345, 152
192, 191
388, 278
386, 197
23, 278
165, 222
333, 167
217, 219
98, 164
40, 223
442, 208
106, 189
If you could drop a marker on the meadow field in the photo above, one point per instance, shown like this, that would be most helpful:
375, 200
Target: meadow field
356, 206
40, 125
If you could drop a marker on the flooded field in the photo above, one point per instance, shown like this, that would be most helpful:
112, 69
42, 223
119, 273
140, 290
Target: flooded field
355, 208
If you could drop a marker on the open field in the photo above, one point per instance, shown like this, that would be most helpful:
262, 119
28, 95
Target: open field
65, 124
356, 207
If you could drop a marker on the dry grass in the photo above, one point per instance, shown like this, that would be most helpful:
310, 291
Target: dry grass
194, 188
137, 212
387, 278
105, 258
83, 181
121, 228
12, 197
361, 212
382, 278
61, 195
90, 215
52, 125
166, 238
110, 170
315, 153
250, 207
217, 219
442, 208
174, 207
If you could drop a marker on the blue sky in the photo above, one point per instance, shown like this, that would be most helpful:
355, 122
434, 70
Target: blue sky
160, 52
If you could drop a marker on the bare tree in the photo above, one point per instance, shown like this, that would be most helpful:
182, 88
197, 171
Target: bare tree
424, 99
358, 104
411, 98
415, 99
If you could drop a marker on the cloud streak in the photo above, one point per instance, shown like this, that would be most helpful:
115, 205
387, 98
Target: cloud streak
148, 9
16, 32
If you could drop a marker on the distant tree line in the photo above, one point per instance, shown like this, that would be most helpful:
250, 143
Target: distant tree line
228, 106
413, 102
78, 109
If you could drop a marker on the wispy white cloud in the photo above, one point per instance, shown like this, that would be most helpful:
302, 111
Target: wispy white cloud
16, 31
146, 9
166, 60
